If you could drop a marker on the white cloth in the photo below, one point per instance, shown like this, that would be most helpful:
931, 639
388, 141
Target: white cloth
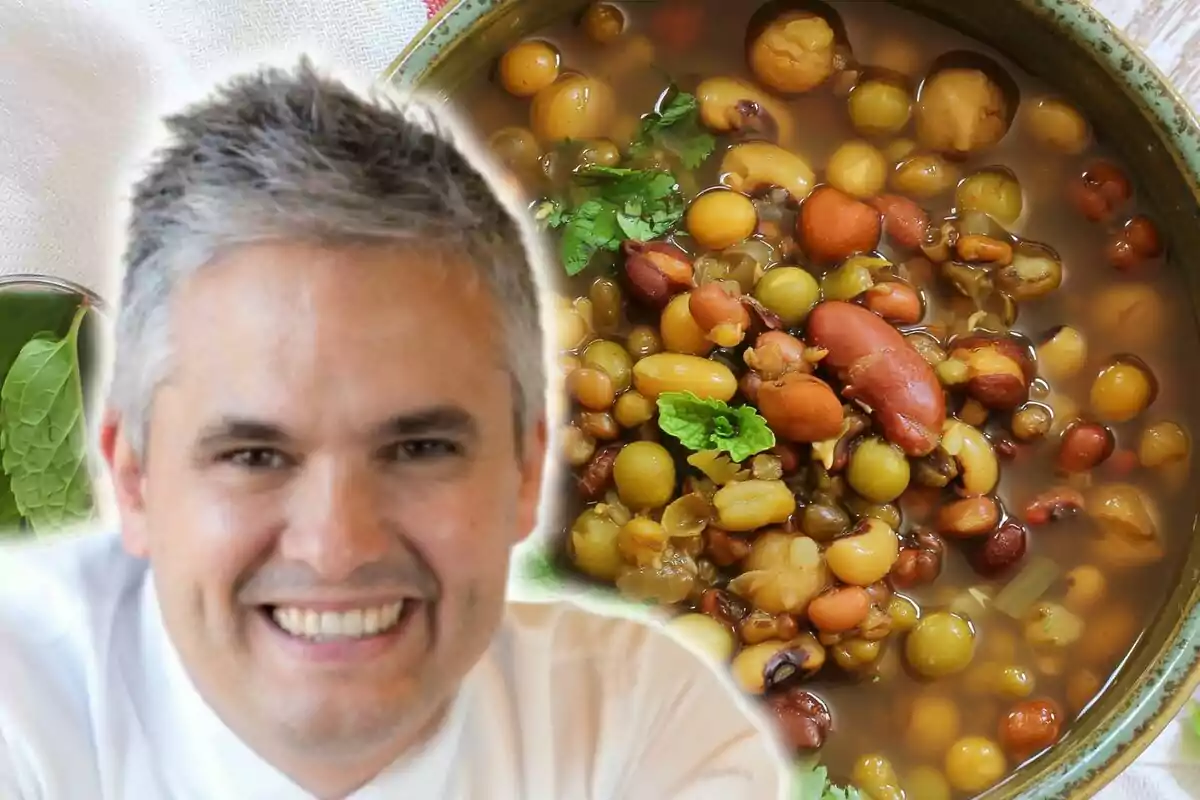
565, 705
81, 81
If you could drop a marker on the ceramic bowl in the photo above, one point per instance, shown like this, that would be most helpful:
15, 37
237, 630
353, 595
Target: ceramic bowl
1074, 49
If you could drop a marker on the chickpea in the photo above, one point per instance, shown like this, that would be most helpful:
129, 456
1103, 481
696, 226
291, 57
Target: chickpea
793, 53
1063, 355
1132, 313
974, 763
878, 470
1086, 587
645, 475
904, 613
573, 107
995, 192
632, 410
933, 725
1057, 126
879, 108
749, 505
1030, 727
643, 341
875, 775
1163, 444
594, 543
941, 644
721, 218
790, 292
1121, 391
926, 783
577, 447
866, 556
961, 111
603, 22
528, 67
673, 372
680, 331
858, 169
924, 176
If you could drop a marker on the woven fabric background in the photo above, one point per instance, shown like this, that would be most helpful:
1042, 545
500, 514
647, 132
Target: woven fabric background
82, 81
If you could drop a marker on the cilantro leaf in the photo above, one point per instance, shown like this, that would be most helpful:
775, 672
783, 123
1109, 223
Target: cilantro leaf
714, 425
676, 127
812, 783
621, 204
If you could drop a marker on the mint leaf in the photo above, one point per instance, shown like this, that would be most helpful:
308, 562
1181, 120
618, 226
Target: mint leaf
675, 126
45, 452
812, 783
714, 425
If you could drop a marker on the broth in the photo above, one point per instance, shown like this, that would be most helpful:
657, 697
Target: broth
1103, 570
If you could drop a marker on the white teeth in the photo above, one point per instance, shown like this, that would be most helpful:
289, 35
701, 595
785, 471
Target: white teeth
354, 624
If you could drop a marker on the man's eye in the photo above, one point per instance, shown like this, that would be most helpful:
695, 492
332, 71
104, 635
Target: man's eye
423, 449
257, 458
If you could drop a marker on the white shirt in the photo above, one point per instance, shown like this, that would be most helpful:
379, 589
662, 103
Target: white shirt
566, 705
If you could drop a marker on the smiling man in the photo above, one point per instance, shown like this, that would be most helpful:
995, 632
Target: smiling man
326, 432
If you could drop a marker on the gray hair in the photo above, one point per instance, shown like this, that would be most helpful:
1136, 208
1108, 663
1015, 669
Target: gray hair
297, 156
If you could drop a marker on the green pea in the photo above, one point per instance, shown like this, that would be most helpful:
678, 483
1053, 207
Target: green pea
878, 471
941, 644
645, 475
791, 292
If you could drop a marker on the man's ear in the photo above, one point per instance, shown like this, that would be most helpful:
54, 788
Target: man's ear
533, 473
125, 467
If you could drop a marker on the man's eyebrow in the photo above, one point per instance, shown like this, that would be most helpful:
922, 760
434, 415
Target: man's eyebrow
446, 419
242, 430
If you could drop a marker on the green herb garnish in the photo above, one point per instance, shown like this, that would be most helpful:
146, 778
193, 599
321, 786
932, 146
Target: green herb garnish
44, 439
676, 127
812, 783
620, 204
713, 425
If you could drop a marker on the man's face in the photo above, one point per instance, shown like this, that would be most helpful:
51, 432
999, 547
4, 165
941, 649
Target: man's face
330, 490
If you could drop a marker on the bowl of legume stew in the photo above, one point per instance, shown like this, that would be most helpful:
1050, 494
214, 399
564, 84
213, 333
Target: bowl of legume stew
874, 325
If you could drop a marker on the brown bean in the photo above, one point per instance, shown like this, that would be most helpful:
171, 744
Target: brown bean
789, 456
722, 549
719, 314
748, 385
803, 719
840, 610
1084, 446
984, 250
597, 475
832, 225
898, 303
655, 271
1100, 191
801, 408
903, 220
723, 606
1134, 244
971, 516
775, 353
1030, 727
1053, 505
1002, 548
881, 369
999, 370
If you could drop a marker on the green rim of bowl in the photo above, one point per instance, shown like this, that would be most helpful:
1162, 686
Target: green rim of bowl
1169, 679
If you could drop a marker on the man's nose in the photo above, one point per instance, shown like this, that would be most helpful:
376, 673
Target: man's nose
335, 522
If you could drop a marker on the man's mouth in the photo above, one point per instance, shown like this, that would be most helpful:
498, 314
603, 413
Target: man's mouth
352, 623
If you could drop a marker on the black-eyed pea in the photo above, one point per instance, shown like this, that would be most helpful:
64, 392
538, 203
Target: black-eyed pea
1086, 587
